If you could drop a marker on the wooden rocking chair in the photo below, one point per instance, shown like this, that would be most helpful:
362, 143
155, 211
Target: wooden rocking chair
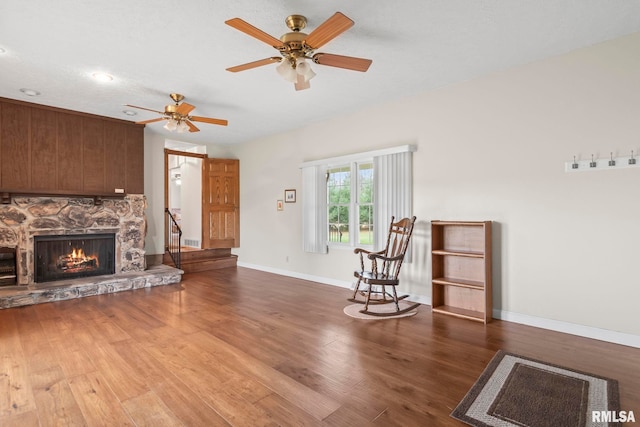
385, 268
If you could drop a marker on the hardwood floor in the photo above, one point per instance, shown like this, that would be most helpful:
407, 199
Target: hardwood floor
247, 348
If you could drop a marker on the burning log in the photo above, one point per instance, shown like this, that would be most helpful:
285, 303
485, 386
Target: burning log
76, 261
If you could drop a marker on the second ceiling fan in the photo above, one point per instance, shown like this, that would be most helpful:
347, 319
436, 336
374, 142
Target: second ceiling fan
297, 48
178, 116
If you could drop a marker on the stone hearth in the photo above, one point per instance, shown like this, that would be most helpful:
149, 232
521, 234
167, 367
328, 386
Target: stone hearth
157, 275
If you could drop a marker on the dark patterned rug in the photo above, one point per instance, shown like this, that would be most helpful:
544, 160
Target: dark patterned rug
518, 391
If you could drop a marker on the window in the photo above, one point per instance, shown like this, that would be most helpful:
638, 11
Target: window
349, 200
350, 204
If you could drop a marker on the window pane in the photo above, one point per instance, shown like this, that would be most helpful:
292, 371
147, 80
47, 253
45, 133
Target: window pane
365, 225
365, 182
344, 224
339, 199
343, 216
339, 185
339, 224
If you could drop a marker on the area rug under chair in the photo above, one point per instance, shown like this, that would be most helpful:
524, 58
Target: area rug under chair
517, 391
353, 310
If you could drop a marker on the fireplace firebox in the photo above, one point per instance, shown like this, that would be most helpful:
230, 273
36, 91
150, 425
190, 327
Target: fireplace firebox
72, 256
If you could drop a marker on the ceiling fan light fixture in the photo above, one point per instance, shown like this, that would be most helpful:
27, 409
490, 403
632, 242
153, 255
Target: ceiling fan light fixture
182, 127
171, 125
304, 69
301, 83
286, 71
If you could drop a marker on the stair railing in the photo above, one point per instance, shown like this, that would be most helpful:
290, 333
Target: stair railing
174, 239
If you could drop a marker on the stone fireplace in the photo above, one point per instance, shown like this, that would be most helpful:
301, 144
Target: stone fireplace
73, 222
28, 220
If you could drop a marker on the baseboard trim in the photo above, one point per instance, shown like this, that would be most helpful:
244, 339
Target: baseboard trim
607, 335
570, 328
294, 274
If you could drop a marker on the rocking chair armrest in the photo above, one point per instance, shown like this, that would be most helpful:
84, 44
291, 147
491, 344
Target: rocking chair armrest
376, 255
360, 250
363, 252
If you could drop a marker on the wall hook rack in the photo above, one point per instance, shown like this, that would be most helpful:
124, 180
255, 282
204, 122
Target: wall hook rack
601, 164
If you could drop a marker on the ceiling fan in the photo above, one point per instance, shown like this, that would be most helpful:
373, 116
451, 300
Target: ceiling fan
297, 47
178, 116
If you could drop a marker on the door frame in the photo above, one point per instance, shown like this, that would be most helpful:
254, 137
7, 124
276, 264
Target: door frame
167, 153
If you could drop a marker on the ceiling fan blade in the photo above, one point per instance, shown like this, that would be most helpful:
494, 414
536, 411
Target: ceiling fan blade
348, 62
144, 122
184, 109
328, 30
254, 32
192, 127
213, 121
301, 84
142, 108
254, 64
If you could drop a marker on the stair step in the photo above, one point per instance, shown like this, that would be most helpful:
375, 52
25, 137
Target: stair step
205, 254
203, 260
210, 264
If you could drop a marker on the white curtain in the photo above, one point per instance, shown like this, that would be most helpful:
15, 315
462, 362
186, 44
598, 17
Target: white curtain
314, 209
392, 192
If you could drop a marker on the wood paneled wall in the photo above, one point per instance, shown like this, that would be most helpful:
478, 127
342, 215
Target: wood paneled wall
52, 151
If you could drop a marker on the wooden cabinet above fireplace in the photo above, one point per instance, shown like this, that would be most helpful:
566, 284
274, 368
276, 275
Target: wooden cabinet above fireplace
50, 151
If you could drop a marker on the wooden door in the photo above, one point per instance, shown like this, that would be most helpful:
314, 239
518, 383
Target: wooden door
220, 203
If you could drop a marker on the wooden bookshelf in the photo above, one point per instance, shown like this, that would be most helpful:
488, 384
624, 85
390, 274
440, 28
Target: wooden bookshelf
461, 269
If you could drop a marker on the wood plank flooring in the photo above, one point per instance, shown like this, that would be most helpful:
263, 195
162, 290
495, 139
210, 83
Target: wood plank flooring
239, 347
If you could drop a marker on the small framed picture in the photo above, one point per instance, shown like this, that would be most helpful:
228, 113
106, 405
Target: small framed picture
289, 196
279, 205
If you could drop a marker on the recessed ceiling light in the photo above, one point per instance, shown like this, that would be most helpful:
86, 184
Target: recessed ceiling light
29, 92
102, 77
129, 112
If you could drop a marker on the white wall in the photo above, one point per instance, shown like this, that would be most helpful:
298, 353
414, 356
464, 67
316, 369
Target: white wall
565, 244
154, 191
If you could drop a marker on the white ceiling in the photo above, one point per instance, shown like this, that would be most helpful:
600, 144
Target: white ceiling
154, 47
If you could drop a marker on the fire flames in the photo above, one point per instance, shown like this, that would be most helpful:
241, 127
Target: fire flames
77, 261
78, 254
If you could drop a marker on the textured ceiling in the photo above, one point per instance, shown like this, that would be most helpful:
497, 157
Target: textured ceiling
154, 47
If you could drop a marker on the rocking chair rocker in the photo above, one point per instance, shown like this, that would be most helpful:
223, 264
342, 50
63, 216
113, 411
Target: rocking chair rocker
385, 268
